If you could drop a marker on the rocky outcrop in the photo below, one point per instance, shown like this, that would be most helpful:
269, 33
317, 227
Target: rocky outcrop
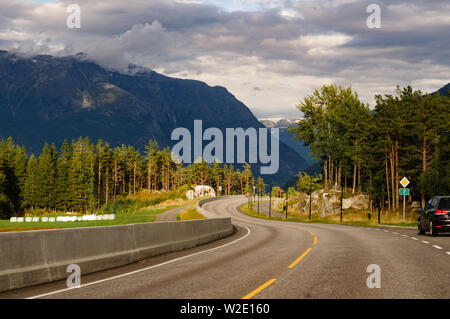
200, 191
327, 202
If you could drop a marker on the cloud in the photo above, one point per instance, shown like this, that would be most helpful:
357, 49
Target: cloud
285, 49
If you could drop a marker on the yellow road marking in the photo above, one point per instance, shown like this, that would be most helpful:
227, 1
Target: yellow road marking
312, 233
315, 240
259, 289
299, 258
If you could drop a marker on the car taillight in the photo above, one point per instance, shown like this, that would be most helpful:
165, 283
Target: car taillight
441, 212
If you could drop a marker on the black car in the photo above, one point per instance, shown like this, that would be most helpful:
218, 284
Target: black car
435, 218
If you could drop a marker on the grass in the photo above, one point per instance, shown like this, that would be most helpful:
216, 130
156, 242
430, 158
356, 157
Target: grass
141, 216
349, 217
144, 199
190, 214
130, 209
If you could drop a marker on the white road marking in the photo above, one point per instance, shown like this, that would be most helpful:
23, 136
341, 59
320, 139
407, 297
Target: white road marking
414, 238
448, 252
143, 269
395, 233
386, 231
425, 242
405, 235
436, 246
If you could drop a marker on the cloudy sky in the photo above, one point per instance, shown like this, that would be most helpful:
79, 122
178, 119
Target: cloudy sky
268, 53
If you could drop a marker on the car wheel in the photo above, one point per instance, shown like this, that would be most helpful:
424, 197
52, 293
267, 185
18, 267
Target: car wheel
419, 225
432, 230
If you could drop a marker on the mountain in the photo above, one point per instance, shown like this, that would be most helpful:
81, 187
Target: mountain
279, 122
49, 99
289, 138
443, 90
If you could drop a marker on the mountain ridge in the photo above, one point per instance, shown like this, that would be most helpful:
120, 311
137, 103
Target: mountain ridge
50, 99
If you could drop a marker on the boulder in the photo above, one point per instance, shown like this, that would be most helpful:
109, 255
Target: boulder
327, 202
203, 190
200, 191
415, 206
358, 202
190, 194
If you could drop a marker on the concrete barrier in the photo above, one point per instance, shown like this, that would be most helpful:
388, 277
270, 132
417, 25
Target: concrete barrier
41, 256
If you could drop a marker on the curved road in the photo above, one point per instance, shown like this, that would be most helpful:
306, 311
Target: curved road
278, 259
171, 214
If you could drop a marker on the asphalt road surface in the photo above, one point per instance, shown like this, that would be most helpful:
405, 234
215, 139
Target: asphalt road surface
278, 259
170, 215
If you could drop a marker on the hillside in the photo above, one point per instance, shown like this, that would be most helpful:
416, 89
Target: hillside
48, 99
443, 90
289, 138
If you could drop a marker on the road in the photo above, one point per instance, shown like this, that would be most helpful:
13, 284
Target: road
171, 214
278, 259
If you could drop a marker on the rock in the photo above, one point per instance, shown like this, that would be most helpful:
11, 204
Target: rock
203, 190
200, 191
415, 204
358, 202
190, 194
327, 202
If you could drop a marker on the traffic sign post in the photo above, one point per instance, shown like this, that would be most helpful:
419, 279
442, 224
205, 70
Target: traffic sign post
404, 192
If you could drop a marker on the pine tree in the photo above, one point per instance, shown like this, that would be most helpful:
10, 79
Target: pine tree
31, 196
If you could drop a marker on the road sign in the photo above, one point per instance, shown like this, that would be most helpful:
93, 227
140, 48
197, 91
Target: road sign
404, 182
220, 188
405, 192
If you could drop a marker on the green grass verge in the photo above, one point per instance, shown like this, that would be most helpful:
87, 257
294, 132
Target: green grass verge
141, 216
352, 218
190, 214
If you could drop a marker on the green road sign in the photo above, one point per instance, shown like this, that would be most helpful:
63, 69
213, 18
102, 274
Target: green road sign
404, 191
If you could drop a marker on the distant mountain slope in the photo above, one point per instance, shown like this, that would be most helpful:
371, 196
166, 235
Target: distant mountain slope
443, 90
48, 99
288, 138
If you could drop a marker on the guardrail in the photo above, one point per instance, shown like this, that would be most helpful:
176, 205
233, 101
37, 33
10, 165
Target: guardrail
35, 257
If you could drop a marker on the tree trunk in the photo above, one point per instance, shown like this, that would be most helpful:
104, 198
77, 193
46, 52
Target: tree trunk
340, 176
115, 179
354, 178
336, 178
397, 180
424, 166
391, 160
107, 187
359, 178
99, 191
149, 176
387, 181
134, 178
330, 171
345, 179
